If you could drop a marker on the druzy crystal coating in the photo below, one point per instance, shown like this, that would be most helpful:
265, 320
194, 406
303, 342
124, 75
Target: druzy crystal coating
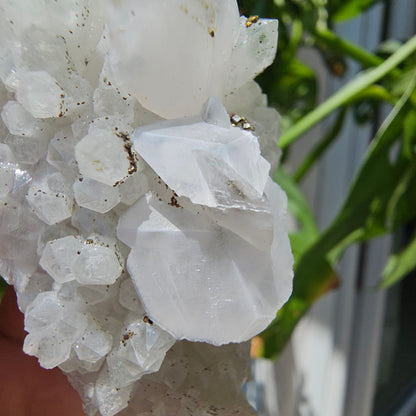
139, 226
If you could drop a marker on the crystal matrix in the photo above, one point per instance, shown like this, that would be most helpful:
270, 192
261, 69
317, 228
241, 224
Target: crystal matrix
137, 215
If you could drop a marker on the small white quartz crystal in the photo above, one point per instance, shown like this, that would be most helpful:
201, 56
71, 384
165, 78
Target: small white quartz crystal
95, 196
101, 156
137, 215
50, 196
89, 261
40, 94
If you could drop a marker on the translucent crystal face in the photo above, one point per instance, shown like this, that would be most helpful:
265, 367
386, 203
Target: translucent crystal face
136, 208
168, 62
207, 283
212, 279
203, 161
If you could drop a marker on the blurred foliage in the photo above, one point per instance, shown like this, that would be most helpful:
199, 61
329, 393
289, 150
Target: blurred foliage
382, 197
290, 83
400, 264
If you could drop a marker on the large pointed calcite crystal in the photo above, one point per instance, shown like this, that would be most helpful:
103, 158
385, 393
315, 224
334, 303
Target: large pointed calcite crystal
201, 159
259, 40
176, 73
204, 161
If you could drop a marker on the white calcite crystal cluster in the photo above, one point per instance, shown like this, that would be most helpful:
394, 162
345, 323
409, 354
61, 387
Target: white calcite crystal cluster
139, 226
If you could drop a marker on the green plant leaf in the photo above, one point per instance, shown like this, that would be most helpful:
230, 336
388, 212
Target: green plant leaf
277, 334
352, 8
409, 142
297, 203
316, 153
347, 92
327, 39
375, 201
291, 86
307, 233
398, 86
373, 205
363, 216
399, 265
402, 203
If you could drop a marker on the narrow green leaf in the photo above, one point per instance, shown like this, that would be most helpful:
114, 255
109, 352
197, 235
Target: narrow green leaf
307, 233
316, 153
376, 93
363, 216
402, 203
409, 142
399, 265
352, 8
345, 94
326, 39
398, 86
370, 196
278, 333
299, 243
298, 206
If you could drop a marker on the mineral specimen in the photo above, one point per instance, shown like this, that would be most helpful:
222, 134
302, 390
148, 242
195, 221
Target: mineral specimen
138, 221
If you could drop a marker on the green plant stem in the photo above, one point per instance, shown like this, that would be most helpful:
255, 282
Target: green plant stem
374, 92
320, 148
346, 93
366, 58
